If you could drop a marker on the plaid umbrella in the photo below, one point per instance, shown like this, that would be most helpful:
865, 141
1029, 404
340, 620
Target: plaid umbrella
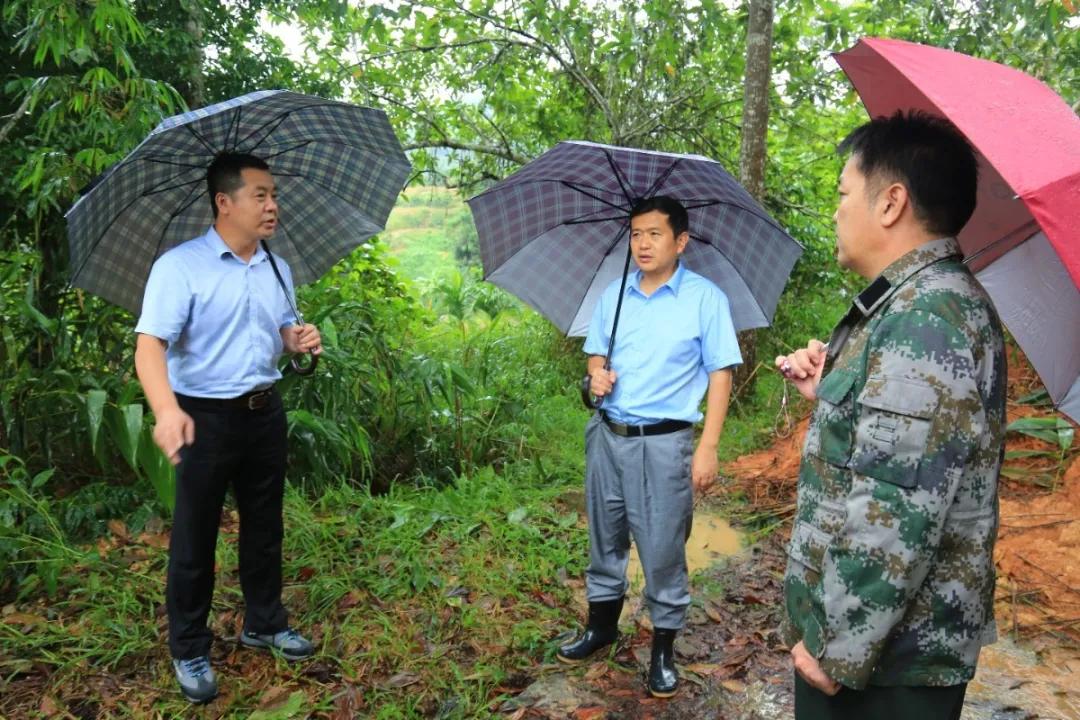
555, 233
338, 167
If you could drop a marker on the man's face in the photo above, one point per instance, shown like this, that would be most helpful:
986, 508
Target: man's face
854, 217
252, 209
653, 243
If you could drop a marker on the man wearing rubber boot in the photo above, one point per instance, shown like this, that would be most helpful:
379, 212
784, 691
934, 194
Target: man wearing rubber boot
889, 589
674, 342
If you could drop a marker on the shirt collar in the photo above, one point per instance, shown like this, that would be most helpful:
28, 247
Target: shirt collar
903, 268
673, 282
217, 244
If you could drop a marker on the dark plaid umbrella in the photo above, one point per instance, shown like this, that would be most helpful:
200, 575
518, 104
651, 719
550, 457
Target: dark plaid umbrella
555, 233
338, 168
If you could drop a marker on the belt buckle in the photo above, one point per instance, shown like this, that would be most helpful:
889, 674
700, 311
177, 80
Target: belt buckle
259, 400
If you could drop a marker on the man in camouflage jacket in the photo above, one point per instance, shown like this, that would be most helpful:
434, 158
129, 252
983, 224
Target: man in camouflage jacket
890, 579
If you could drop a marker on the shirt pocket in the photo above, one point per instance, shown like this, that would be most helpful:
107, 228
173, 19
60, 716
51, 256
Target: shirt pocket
895, 420
829, 435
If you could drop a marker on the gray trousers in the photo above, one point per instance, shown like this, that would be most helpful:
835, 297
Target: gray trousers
639, 486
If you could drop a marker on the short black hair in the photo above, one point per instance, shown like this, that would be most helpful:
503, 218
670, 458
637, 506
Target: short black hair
929, 156
676, 213
225, 174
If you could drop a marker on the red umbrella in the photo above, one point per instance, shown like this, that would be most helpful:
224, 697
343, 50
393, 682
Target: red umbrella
1028, 140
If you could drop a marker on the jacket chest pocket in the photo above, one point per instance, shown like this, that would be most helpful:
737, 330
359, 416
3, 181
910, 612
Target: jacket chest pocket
829, 436
894, 424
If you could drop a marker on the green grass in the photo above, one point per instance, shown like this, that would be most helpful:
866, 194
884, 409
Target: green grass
433, 591
424, 229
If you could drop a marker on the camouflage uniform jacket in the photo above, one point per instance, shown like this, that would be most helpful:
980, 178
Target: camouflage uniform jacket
890, 577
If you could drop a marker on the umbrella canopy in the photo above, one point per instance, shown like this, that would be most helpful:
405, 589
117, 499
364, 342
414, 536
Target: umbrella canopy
338, 168
1023, 240
555, 233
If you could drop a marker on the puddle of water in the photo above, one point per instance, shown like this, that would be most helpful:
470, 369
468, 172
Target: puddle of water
1011, 678
711, 538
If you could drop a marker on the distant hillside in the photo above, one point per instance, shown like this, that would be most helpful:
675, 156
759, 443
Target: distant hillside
430, 230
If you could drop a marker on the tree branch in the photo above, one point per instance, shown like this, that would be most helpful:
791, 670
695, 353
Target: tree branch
504, 153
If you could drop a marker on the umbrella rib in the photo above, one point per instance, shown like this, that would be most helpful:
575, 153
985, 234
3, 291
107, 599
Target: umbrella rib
704, 203
236, 128
160, 189
737, 273
575, 188
297, 146
175, 163
275, 121
280, 119
303, 257
200, 138
90, 252
618, 176
324, 186
584, 221
662, 178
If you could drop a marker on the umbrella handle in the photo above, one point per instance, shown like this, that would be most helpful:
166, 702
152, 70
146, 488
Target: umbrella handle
304, 370
591, 401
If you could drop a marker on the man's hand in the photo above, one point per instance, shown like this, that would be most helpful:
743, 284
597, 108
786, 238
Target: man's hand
602, 381
302, 339
173, 429
810, 669
703, 467
803, 368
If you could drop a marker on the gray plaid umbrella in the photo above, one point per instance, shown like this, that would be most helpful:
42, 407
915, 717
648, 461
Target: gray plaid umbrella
555, 232
338, 167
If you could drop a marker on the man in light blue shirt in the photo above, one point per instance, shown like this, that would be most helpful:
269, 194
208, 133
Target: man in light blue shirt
215, 319
675, 344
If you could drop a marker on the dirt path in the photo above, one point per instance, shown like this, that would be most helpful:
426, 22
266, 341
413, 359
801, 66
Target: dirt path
734, 666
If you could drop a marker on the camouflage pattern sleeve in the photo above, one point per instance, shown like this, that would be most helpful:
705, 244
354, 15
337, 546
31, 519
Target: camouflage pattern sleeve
918, 419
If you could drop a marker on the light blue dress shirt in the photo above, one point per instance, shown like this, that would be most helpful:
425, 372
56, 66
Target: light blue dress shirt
221, 317
666, 345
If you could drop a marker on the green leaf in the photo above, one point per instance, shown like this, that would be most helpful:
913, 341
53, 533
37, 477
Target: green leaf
1048, 429
95, 412
291, 708
41, 478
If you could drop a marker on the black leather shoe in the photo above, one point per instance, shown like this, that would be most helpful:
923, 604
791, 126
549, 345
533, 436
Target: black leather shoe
601, 630
663, 679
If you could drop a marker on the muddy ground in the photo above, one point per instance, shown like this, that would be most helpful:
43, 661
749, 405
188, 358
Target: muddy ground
733, 663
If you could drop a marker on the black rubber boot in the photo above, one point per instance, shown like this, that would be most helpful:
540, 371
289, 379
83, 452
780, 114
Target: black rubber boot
601, 630
663, 679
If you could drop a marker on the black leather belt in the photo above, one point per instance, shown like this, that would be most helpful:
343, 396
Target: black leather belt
661, 428
254, 400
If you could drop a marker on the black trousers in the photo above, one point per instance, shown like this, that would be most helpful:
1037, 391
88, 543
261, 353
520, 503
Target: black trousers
879, 702
246, 449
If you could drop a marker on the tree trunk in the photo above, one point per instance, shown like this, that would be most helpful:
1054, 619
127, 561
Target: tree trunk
194, 85
755, 127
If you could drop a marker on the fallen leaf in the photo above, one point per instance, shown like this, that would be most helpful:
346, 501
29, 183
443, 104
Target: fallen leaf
734, 686
306, 573
590, 713
274, 696
713, 613
703, 668
598, 670
24, 619
403, 679
350, 599
119, 529
49, 707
